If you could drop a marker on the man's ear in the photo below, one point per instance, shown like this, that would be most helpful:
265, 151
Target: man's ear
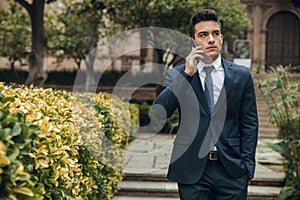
222, 37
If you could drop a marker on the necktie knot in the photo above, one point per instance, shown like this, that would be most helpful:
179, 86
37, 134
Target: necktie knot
208, 69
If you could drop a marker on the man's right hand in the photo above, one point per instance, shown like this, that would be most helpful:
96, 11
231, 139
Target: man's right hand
192, 60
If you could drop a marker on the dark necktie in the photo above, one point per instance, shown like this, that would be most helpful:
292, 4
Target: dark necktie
208, 91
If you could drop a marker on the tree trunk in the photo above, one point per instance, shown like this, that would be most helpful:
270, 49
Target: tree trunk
12, 65
90, 84
143, 51
37, 75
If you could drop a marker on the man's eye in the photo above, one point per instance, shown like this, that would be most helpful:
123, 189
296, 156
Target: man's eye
202, 34
216, 33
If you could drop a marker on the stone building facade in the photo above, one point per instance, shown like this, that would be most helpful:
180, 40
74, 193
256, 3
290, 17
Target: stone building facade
275, 32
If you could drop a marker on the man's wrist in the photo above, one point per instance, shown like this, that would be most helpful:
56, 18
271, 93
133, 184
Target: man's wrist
188, 72
187, 76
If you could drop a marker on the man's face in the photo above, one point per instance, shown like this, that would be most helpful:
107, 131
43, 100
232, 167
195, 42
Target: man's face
208, 35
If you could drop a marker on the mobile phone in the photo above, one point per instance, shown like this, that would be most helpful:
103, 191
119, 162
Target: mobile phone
206, 58
194, 44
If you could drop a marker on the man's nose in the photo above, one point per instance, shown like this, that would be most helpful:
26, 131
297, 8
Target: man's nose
211, 39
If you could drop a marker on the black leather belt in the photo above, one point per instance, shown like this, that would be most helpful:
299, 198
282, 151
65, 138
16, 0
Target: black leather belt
213, 155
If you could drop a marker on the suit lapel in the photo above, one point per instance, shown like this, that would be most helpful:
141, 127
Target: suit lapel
229, 76
228, 80
225, 91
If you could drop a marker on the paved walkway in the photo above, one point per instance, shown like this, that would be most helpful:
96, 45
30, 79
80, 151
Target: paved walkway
148, 156
151, 154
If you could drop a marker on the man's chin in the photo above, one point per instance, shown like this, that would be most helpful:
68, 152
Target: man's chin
209, 58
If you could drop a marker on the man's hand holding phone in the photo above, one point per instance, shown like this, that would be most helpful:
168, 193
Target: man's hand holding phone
197, 53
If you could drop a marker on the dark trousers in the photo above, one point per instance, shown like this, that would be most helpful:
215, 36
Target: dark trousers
215, 184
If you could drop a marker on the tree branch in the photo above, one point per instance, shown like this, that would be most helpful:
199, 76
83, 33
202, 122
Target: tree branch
25, 4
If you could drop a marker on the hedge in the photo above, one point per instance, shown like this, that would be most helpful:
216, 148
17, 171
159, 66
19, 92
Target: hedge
61, 145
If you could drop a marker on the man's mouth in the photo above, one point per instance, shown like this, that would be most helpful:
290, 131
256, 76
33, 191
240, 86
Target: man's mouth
211, 48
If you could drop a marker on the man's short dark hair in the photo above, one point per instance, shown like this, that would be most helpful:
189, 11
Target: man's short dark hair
203, 15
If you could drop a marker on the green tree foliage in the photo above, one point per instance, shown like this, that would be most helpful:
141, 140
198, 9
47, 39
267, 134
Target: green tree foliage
175, 15
68, 33
73, 30
14, 34
74, 33
150, 13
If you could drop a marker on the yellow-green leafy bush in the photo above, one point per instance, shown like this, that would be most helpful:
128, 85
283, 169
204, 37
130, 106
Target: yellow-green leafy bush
16, 137
79, 149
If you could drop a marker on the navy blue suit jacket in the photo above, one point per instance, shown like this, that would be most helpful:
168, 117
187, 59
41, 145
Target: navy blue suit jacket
232, 126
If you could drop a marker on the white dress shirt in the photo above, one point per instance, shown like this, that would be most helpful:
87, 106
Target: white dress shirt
217, 76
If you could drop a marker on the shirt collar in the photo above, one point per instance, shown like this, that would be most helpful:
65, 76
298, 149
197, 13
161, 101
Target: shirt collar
216, 64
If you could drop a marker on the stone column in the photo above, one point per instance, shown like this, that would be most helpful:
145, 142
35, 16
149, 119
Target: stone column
258, 54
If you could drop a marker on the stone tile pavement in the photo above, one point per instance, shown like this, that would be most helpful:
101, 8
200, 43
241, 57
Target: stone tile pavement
150, 153
148, 156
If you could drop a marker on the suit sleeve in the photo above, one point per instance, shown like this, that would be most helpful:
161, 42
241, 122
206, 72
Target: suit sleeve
176, 82
249, 126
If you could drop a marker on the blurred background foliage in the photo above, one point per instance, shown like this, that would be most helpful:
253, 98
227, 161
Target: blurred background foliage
73, 28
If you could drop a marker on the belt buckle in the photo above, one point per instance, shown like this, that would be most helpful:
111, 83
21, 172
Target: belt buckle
213, 155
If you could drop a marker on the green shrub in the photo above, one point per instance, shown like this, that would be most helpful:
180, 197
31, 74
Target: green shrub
107, 78
16, 76
281, 91
144, 113
134, 116
170, 126
79, 148
16, 164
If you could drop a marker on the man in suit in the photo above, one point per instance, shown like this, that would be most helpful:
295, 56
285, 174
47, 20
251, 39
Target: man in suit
214, 150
